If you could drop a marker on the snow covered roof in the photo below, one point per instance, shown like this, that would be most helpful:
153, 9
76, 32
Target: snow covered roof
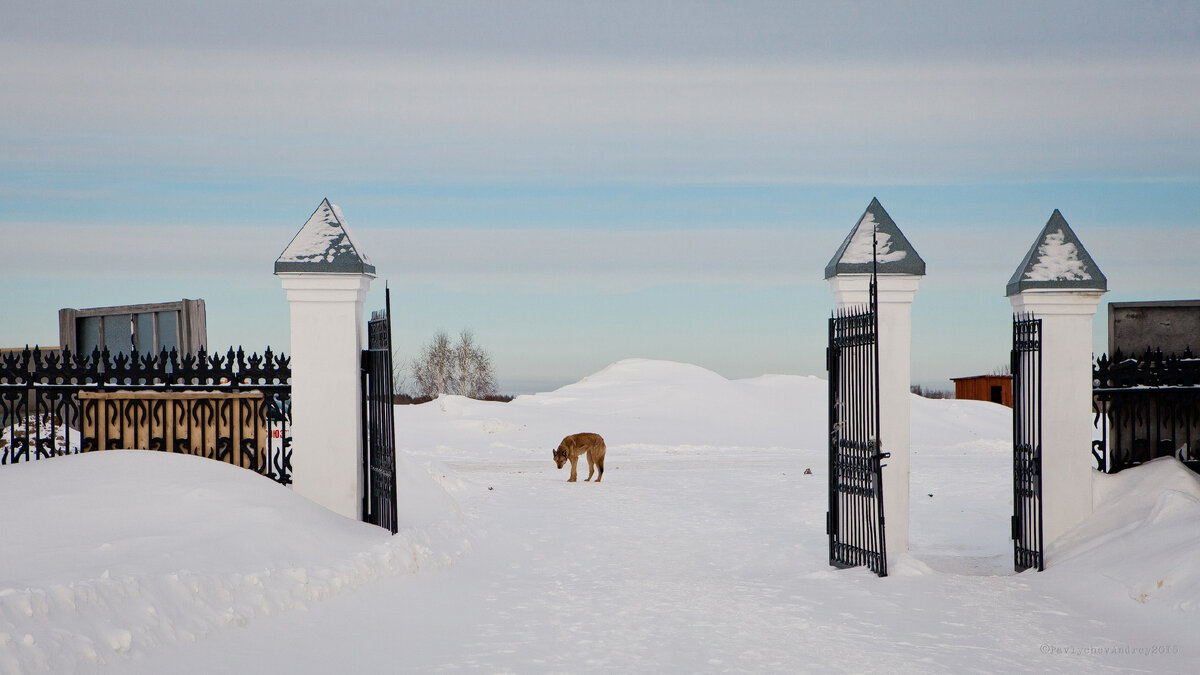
1057, 261
325, 245
894, 252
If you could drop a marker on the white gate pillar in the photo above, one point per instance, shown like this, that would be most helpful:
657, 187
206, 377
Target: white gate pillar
1059, 283
900, 269
326, 277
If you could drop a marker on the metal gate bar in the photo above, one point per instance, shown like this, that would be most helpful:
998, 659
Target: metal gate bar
379, 439
855, 523
1027, 443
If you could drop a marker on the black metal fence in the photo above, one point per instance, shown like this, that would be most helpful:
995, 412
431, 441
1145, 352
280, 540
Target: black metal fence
854, 521
1146, 407
1026, 523
379, 438
234, 408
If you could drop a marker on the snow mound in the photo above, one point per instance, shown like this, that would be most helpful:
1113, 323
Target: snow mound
649, 404
638, 383
107, 550
1142, 536
640, 402
648, 371
947, 423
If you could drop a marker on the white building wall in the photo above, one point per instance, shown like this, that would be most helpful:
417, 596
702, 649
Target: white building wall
326, 348
1067, 416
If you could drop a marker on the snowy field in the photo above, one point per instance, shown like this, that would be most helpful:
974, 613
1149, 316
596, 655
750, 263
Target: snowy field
703, 550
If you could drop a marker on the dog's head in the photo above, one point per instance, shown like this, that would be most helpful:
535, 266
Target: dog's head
560, 457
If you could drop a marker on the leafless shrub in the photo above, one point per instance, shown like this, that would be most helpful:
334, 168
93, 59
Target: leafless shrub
930, 393
463, 368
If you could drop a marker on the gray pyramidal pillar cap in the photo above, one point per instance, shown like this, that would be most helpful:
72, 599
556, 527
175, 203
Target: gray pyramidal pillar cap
325, 245
1057, 261
895, 254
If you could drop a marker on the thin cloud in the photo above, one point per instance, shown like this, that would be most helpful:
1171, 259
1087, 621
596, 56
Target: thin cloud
406, 118
520, 260
557, 261
82, 252
648, 30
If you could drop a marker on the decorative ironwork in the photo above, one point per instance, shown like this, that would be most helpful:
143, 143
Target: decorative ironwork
1146, 407
854, 521
232, 407
1027, 443
379, 437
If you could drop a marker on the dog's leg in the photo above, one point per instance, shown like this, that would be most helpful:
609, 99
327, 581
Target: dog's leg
600, 469
591, 467
574, 463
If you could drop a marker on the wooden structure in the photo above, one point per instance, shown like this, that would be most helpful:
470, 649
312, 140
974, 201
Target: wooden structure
227, 426
147, 328
993, 388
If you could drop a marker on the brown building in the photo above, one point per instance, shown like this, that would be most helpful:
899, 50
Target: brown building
994, 388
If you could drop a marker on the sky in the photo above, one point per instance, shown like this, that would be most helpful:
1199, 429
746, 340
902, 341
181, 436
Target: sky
581, 182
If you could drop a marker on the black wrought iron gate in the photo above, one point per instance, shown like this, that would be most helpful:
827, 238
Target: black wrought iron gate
854, 521
1027, 443
379, 439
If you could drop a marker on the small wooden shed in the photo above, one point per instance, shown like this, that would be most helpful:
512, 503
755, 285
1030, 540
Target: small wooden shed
994, 388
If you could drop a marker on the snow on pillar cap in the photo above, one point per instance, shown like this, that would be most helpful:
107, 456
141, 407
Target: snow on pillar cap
1057, 261
894, 252
325, 245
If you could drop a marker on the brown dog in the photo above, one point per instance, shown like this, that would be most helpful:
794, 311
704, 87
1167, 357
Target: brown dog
577, 444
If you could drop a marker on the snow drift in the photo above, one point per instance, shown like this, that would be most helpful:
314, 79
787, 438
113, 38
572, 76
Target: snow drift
104, 552
703, 550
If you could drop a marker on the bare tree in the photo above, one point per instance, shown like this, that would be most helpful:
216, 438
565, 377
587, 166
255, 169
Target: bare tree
433, 369
475, 376
400, 373
464, 368
464, 359
930, 392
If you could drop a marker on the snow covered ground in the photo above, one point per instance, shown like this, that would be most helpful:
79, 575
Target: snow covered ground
702, 551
